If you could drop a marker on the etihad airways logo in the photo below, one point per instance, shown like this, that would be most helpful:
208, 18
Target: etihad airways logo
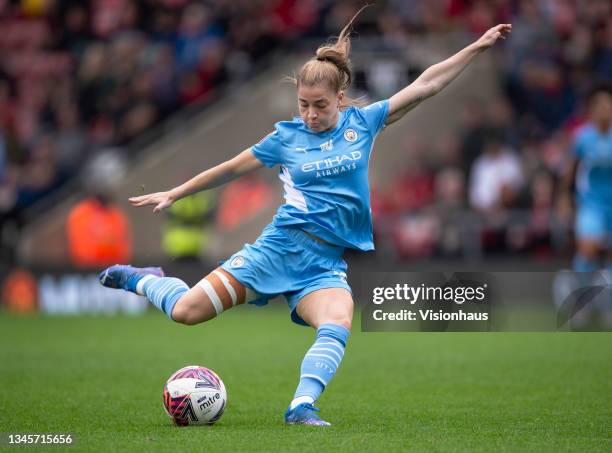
332, 162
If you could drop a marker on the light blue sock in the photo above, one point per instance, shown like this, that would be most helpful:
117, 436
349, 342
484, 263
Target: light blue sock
320, 363
163, 292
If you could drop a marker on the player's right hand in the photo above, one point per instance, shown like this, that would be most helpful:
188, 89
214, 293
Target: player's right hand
161, 200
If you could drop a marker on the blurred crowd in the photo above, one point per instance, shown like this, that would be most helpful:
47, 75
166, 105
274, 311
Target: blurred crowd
78, 77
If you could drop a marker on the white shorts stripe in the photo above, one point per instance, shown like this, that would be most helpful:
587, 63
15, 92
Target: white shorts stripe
228, 286
314, 376
212, 294
326, 356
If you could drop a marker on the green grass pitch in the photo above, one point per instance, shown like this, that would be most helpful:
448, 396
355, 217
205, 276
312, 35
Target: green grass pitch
101, 378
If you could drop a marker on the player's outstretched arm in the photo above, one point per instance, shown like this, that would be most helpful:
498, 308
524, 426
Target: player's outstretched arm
243, 163
436, 77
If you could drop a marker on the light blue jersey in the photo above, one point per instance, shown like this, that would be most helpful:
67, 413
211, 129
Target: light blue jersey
594, 176
325, 175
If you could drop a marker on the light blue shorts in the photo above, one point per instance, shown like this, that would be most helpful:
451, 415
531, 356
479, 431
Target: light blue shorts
287, 261
594, 223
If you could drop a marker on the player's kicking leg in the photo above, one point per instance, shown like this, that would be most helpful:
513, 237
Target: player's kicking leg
215, 293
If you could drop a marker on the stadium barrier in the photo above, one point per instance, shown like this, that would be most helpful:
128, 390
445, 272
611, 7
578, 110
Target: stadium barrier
67, 292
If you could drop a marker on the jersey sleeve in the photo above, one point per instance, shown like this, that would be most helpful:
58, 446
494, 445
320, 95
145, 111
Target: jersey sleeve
375, 115
268, 150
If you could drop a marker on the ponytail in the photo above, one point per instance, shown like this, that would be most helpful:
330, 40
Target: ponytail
331, 64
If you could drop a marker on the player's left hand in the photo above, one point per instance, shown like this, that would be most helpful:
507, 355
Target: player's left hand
492, 35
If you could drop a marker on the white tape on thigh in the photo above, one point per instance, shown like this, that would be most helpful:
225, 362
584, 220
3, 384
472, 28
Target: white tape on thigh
228, 286
212, 295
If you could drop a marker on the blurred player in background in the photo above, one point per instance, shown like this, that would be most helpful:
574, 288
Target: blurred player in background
323, 157
592, 152
590, 170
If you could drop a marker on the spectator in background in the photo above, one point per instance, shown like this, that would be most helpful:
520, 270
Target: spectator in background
474, 128
99, 232
413, 188
496, 177
541, 211
70, 139
496, 181
197, 31
74, 28
449, 208
415, 232
2, 157
39, 174
187, 227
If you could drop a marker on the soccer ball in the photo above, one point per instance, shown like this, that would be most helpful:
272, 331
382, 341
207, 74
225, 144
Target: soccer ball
194, 395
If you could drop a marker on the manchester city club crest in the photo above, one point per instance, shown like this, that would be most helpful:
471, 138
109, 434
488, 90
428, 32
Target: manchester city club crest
238, 261
350, 135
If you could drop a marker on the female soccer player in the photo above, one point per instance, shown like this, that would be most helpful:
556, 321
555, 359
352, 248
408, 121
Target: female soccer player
589, 168
323, 157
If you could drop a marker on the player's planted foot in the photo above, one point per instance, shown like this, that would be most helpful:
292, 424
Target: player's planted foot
304, 414
126, 277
